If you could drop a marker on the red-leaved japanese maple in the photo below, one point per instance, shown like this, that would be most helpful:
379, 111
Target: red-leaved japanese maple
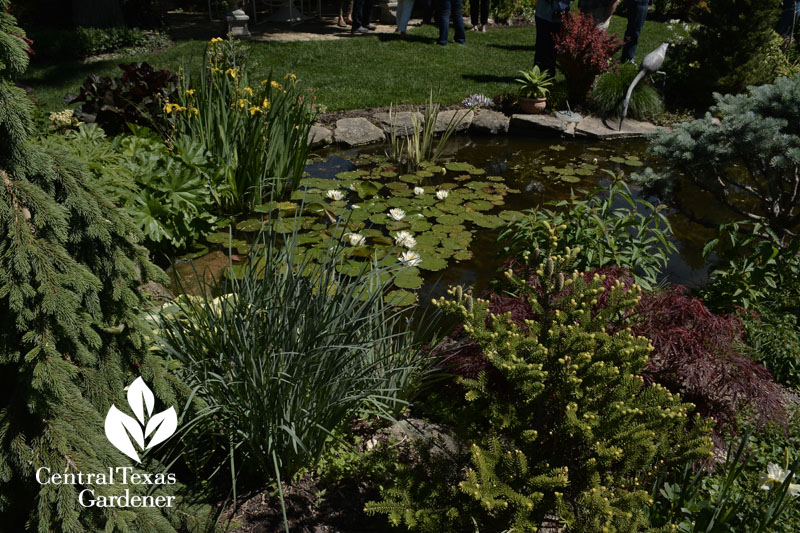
583, 53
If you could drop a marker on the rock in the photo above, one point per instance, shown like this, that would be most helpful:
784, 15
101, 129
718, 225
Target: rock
598, 128
402, 121
319, 136
156, 291
537, 125
413, 429
489, 122
356, 132
462, 116
195, 276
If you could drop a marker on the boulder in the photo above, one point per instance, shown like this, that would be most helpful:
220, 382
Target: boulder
357, 132
438, 436
487, 122
198, 275
537, 125
319, 136
402, 121
462, 116
597, 128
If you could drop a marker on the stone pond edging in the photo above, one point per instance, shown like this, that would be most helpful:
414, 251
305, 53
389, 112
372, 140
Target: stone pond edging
361, 131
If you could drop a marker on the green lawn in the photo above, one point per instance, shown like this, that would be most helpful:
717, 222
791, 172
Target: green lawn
369, 71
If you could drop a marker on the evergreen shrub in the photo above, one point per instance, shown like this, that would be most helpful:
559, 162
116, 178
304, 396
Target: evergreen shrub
72, 339
561, 422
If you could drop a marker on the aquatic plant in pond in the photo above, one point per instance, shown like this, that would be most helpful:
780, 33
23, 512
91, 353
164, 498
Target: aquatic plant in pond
424, 220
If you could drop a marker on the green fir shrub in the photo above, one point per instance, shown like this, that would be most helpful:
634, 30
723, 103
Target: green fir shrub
609, 92
72, 339
561, 421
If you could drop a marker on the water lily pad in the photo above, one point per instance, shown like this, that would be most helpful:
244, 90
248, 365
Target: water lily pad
348, 175
479, 205
477, 171
463, 255
633, 162
489, 221
557, 147
388, 174
250, 225
401, 298
459, 167
408, 278
397, 185
424, 174
394, 225
570, 179
420, 225
410, 178
449, 219
433, 263
617, 159
320, 183
219, 237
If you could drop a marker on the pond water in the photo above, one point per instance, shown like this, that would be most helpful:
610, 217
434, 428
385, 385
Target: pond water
542, 170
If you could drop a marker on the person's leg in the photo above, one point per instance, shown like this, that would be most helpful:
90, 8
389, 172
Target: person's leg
790, 10
545, 56
404, 8
484, 12
443, 18
358, 9
427, 13
366, 13
637, 13
458, 23
474, 13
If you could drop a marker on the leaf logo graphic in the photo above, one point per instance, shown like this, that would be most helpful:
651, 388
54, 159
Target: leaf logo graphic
123, 431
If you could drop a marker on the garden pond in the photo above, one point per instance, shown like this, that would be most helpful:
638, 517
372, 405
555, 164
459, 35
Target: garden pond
452, 209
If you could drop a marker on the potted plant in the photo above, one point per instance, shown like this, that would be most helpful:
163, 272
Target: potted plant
534, 86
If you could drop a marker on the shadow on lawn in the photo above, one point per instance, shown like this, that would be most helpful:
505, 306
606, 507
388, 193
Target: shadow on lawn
489, 78
72, 73
514, 47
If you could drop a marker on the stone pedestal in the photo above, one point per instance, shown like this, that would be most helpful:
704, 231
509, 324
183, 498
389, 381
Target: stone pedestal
237, 23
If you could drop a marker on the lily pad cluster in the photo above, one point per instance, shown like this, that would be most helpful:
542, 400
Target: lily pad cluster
421, 221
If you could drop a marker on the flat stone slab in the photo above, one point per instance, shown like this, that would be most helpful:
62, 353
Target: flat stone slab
402, 121
357, 132
537, 125
489, 122
598, 128
198, 275
443, 119
319, 136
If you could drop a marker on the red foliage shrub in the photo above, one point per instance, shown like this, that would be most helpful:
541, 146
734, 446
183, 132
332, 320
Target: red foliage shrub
696, 353
699, 354
583, 53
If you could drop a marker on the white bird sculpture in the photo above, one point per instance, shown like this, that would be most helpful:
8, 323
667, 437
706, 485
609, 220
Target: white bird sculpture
650, 65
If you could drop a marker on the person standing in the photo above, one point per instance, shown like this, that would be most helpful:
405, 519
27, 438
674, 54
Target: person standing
362, 10
790, 11
637, 12
404, 8
549, 14
479, 14
349, 4
444, 22
599, 10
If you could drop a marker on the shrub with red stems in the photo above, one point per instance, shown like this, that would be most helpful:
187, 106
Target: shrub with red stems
584, 52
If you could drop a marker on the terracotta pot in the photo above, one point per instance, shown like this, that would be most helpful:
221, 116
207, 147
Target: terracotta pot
532, 106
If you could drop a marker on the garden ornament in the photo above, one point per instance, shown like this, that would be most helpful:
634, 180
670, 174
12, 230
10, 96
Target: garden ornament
650, 65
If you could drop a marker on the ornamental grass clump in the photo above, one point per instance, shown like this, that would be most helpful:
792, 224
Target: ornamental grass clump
291, 352
561, 421
258, 132
583, 52
608, 95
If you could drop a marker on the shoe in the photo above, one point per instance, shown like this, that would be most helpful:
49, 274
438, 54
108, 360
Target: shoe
359, 31
341, 24
371, 27
474, 28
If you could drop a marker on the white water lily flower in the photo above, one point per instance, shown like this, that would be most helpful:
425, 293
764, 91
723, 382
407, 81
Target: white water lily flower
397, 214
335, 195
405, 239
356, 239
441, 195
419, 191
410, 258
775, 475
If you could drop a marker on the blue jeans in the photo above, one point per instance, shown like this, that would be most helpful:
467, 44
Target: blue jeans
444, 22
789, 14
637, 12
404, 8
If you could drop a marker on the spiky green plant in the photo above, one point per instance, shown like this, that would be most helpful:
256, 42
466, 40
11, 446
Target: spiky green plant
609, 91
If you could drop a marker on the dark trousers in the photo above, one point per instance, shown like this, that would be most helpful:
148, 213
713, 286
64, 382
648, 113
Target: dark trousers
637, 12
429, 12
476, 8
444, 21
362, 9
545, 57
790, 10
